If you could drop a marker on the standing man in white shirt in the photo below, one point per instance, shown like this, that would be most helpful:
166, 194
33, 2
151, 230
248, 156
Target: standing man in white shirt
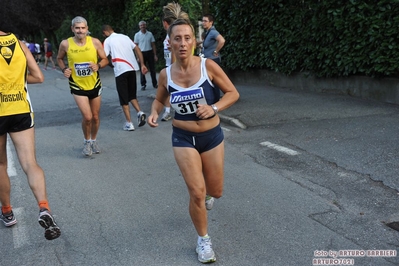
121, 48
146, 42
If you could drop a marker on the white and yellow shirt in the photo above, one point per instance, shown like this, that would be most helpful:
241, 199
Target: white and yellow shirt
14, 96
79, 59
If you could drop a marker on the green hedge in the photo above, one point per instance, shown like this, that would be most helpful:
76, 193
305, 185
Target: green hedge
328, 38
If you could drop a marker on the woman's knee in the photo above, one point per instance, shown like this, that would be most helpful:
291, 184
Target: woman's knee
217, 193
197, 195
87, 119
95, 117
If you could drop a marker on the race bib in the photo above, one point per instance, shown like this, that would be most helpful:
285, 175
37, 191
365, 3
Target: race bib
186, 102
83, 69
167, 54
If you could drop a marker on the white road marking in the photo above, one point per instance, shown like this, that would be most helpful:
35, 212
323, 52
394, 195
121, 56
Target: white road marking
226, 129
10, 159
279, 148
19, 232
342, 174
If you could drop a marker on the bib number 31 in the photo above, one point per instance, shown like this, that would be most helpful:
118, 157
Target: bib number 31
188, 107
186, 101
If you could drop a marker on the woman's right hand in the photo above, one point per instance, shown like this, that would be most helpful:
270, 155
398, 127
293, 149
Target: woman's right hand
152, 120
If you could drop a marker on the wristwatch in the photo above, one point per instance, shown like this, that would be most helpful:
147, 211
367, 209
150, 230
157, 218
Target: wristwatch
215, 109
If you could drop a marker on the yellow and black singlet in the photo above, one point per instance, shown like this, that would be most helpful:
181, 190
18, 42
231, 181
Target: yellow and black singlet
14, 96
79, 59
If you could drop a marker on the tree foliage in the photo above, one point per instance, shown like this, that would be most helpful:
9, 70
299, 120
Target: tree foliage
327, 38
32, 19
29, 18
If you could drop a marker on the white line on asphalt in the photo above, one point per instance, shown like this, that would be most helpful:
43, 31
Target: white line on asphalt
225, 129
19, 232
279, 148
10, 159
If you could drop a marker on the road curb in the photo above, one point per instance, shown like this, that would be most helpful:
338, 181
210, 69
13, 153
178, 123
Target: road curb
232, 121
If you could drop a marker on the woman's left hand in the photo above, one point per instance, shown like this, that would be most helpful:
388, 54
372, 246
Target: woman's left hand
205, 111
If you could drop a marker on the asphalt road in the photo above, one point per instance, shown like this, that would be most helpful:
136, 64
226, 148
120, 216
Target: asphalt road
306, 175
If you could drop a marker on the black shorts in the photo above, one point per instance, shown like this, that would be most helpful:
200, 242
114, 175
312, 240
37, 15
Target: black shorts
126, 85
202, 142
94, 93
16, 123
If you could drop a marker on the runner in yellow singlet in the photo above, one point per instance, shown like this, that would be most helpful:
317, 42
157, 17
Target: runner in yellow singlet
79, 58
18, 68
85, 57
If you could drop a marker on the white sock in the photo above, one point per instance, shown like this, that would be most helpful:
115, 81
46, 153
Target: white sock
201, 237
167, 109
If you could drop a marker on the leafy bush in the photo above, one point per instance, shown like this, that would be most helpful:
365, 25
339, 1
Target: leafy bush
326, 38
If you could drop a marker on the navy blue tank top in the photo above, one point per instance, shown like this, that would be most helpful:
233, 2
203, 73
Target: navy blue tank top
184, 100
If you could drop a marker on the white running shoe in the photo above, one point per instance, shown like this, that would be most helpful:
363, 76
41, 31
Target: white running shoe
141, 119
87, 149
166, 116
94, 147
209, 200
128, 126
8, 219
205, 251
47, 221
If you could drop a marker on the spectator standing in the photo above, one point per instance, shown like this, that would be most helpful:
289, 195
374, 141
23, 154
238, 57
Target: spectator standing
146, 42
48, 53
213, 41
16, 119
85, 57
122, 51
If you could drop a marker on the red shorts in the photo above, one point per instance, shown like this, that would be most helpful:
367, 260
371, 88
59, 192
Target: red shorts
49, 54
